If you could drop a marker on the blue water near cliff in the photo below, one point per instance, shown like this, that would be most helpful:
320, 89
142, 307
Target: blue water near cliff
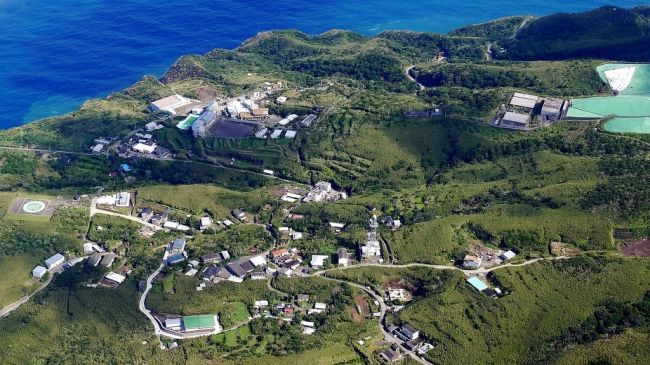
56, 54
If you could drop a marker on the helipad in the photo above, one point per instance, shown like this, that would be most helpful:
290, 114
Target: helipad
34, 207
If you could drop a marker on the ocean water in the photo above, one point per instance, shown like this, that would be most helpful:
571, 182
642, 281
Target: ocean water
56, 54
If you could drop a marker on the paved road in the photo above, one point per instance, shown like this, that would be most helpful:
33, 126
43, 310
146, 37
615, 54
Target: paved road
94, 210
383, 309
26, 149
408, 74
488, 52
444, 267
6, 310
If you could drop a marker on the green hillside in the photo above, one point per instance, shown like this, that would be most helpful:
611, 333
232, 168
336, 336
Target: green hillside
606, 33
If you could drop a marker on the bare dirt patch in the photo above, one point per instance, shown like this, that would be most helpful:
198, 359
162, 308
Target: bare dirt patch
636, 248
561, 248
362, 309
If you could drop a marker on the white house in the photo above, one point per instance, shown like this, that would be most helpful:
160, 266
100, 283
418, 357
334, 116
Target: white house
320, 306
39, 272
205, 223
257, 261
318, 260
115, 277
144, 148
508, 255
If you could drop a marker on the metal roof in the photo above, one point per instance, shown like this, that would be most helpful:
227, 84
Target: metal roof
524, 103
515, 117
477, 283
54, 259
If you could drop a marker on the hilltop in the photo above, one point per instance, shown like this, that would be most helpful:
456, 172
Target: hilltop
607, 33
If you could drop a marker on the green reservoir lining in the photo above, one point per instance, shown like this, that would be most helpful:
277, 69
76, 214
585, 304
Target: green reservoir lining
630, 108
628, 125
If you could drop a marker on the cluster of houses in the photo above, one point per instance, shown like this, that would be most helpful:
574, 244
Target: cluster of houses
101, 144
520, 113
287, 311
475, 261
51, 264
243, 108
96, 256
143, 145
323, 192
411, 342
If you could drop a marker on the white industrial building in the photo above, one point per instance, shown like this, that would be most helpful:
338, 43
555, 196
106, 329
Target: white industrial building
515, 120
170, 104
524, 101
54, 261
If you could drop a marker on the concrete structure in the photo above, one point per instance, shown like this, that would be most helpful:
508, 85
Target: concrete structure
115, 277
210, 258
174, 324
88, 248
408, 332
515, 120
205, 223
258, 261
147, 148
508, 255
123, 199
170, 104
205, 120
343, 258
54, 261
526, 102
39, 272
552, 109
318, 260
290, 134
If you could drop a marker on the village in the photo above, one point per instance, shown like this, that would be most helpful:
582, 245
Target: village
284, 259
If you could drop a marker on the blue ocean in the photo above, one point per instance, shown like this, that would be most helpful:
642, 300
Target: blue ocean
54, 55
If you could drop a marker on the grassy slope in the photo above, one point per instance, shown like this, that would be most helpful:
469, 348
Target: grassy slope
16, 281
608, 32
549, 297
